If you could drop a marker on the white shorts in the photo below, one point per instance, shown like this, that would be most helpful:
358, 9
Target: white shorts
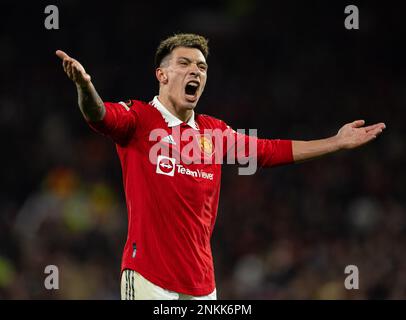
135, 287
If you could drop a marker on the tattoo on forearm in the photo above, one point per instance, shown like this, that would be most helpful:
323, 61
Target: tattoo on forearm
90, 103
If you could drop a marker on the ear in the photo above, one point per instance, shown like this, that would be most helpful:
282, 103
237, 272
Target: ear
161, 75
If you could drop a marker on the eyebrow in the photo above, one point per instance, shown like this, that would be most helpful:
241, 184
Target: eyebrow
188, 60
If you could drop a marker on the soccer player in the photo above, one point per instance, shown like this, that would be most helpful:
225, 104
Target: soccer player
172, 203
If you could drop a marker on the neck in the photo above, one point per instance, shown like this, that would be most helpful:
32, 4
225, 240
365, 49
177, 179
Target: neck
180, 113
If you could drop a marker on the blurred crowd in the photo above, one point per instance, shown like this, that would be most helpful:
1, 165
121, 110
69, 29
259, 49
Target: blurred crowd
283, 233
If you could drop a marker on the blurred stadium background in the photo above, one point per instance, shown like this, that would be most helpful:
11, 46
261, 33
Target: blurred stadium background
288, 68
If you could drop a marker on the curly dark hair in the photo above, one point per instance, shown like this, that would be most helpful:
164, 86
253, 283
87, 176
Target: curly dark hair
188, 40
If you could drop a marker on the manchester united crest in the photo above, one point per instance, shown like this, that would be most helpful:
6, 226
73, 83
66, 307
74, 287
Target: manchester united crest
206, 145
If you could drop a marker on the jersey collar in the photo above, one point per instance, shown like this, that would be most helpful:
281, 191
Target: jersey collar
169, 118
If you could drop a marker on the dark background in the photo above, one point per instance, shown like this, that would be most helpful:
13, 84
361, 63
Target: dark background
287, 68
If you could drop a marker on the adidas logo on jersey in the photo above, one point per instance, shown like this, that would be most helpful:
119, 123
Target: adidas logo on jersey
169, 139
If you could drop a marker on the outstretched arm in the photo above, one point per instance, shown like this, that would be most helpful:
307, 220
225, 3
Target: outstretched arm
90, 103
350, 136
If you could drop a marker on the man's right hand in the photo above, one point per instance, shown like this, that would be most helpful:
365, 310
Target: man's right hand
90, 103
74, 70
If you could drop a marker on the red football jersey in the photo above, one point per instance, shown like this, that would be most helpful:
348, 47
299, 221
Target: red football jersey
172, 198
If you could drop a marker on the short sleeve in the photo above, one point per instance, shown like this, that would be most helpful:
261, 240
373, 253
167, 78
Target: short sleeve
267, 152
119, 122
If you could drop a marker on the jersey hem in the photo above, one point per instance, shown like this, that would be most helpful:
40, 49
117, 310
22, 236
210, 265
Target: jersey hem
194, 291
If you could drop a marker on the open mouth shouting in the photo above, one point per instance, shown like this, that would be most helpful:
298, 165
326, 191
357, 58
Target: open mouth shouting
191, 90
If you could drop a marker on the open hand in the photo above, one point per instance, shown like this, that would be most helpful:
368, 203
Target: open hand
353, 135
74, 69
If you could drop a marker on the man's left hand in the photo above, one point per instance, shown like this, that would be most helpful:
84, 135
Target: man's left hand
354, 134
